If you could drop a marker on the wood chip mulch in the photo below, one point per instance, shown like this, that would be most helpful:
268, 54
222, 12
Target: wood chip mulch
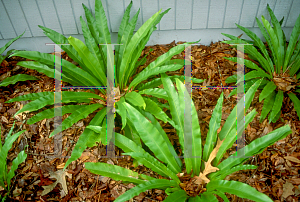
277, 174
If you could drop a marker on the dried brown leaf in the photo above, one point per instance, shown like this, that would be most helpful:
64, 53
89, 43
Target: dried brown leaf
60, 177
288, 190
208, 167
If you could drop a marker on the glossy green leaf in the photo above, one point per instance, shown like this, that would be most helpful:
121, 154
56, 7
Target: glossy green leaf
150, 162
49, 113
195, 199
101, 23
126, 37
70, 70
16, 162
252, 52
67, 96
127, 144
141, 61
137, 37
151, 137
157, 81
113, 171
258, 43
46, 70
161, 60
122, 111
141, 46
255, 147
136, 54
92, 45
4, 151
2, 49
268, 104
224, 173
254, 74
221, 194
17, 78
147, 72
239, 189
97, 129
231, 79
268, 89
93, 66
232, 137
280, 37
179, 196
163, 134
122, 28
277, 105
86, 137
233, 92
153, 184
207, 196
274, 41
296, 102
175, 61
175, 111
295, 66
61, 39
31, 96
214, 125
156, 92
276, 117
94, 29
77, 115
134, 133
192, 129
292, 43
136, 99
268, 40
154, 109
231, 120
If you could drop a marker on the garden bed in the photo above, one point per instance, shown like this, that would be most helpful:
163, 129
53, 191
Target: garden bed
277, 174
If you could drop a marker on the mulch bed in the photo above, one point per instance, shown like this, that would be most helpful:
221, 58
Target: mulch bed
277, 174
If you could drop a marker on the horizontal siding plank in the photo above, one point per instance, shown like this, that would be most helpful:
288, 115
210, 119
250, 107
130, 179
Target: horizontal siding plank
49, 15
136, 5
104, 4
65, 16
149, 8
233, 12
282, 9
249, 12
32, 14
294, 14
216, 14
79, 11
92, 5
200, 14
168, 21
263, 11
183, 14
116, 12
9, 31
17, 17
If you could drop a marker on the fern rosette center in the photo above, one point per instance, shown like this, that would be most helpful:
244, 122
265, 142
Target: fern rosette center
285, 82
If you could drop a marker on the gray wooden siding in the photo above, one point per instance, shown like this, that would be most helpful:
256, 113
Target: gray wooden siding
188, 15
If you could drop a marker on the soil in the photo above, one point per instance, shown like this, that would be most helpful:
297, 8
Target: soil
277, 174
